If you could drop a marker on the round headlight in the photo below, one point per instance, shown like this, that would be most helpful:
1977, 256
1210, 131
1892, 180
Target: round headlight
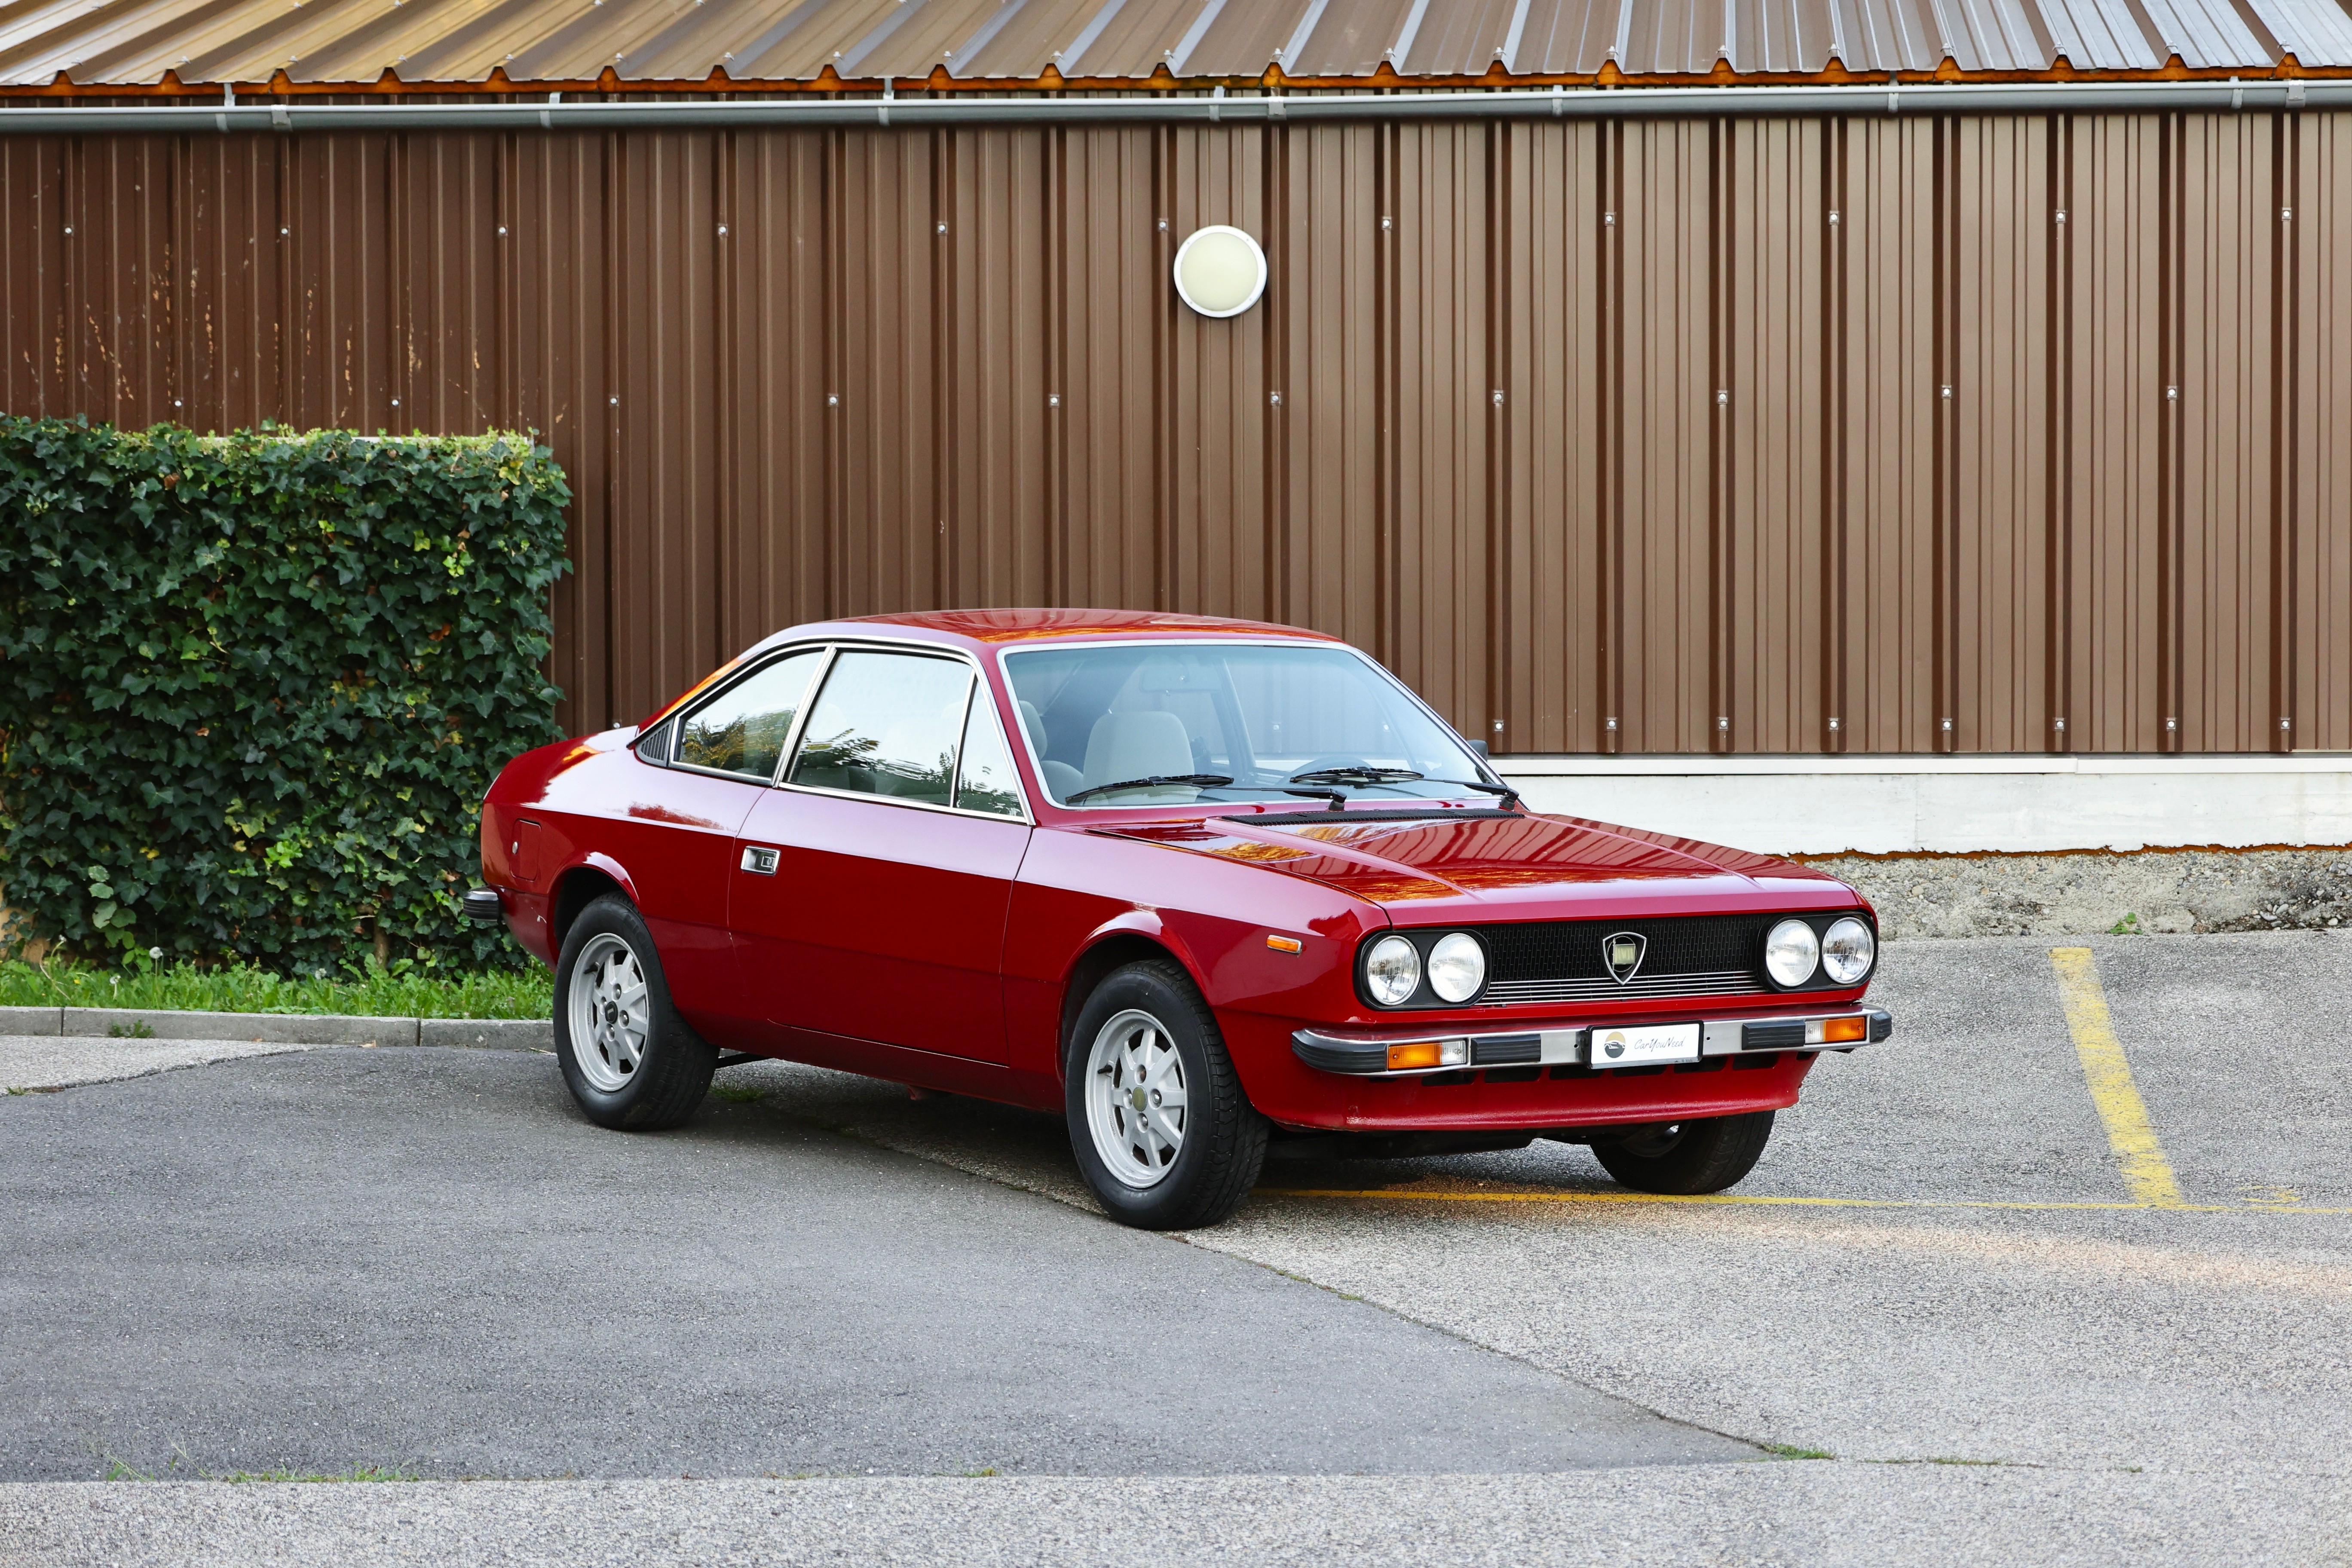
1847, 949
1791, 953
1394, 972
1457, 967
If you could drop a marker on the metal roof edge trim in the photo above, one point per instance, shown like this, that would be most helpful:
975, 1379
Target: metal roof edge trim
1582, 103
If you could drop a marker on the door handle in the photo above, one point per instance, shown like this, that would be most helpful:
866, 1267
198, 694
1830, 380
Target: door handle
759, 861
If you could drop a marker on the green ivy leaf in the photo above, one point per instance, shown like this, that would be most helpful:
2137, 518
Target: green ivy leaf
224, 664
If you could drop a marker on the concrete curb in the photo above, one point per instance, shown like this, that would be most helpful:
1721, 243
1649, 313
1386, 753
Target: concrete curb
284, 1028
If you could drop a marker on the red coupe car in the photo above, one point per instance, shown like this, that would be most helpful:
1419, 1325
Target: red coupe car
1204, 886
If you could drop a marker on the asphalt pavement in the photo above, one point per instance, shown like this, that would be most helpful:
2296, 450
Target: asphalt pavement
1940, 1281
427, 1261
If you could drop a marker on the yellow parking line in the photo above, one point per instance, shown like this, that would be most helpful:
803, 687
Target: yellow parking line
2147, 1175
1410, 1196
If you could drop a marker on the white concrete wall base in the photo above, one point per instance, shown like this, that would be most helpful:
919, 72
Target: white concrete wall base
1896, 806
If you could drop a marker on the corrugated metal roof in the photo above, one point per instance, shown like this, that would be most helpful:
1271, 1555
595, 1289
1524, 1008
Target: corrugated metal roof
955, 43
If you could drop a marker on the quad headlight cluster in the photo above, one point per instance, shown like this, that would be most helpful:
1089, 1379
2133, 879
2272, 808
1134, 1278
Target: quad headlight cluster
1455, 969
1794, 955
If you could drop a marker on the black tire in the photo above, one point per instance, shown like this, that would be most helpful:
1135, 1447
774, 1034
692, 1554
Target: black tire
665, 1083
1224, 1137
1703, 1156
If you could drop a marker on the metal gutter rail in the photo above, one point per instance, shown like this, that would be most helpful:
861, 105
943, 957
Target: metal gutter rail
553, 113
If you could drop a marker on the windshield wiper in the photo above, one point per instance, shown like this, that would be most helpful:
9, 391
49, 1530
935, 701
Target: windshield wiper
1355, 776
1205, 781
1511, 796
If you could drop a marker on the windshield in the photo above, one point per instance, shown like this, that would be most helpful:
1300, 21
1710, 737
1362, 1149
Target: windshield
1151, 724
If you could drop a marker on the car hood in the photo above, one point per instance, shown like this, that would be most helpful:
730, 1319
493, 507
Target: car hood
1506, 866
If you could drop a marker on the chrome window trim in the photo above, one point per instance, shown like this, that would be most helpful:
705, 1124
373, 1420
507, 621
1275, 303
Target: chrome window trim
676, 721
1478, 767
973, 696
835, 647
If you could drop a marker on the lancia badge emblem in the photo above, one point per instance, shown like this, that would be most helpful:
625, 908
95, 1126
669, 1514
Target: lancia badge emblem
1621, 952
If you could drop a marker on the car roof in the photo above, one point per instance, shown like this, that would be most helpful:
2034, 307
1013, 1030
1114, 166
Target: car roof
980, 628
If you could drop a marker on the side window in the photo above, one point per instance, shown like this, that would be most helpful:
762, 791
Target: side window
886, 724
743, 728
984, 779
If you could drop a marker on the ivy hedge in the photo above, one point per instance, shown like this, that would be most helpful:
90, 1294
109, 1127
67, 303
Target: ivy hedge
252, 686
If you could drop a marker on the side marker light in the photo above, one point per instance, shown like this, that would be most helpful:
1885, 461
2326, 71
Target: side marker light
1285, 943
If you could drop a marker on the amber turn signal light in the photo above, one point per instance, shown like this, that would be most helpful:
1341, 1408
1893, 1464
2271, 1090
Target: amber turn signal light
1283, 944
1834, 1030
1416, 1054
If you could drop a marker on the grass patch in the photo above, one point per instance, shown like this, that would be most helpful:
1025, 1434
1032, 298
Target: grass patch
2127, 926
405, 990
734, 1096
182, 1467
1790, 1451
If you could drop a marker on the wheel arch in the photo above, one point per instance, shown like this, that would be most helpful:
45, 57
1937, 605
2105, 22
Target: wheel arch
1110, 951
579, 887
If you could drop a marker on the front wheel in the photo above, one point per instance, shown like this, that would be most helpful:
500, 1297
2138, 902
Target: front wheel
1164, 1135
1687, 1158
630, 1060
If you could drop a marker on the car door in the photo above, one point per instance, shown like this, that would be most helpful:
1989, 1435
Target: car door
676, 835
870, 895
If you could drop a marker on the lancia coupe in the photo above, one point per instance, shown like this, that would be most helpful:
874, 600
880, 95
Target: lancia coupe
1205, 888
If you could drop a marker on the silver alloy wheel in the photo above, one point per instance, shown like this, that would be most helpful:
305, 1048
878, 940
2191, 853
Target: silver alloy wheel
1135, 1099
611, 1014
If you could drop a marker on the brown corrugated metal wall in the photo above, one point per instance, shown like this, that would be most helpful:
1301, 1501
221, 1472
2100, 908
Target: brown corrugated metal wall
1799, 434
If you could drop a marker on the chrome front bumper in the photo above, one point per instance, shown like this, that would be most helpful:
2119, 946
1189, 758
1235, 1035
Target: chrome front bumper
1366, 1054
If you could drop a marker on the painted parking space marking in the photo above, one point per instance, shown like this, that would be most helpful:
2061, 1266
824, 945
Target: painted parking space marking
2146, 1174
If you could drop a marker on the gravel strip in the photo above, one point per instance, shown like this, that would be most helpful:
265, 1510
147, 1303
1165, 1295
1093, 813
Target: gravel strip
1785, 1512
2162, 890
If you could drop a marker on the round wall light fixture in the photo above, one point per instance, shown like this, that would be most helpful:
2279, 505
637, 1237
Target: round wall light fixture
1220, 271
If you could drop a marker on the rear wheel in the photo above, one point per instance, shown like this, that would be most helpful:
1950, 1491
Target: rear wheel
1164, 1135
1687, 1158
629, 1059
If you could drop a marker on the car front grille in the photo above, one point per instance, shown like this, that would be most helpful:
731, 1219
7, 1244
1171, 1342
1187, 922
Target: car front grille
1518, 993
1563, 961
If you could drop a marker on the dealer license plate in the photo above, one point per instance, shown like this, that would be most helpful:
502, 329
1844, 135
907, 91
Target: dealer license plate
1643, 1045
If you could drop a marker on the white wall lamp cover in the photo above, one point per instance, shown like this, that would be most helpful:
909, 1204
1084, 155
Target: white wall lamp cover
1220, 271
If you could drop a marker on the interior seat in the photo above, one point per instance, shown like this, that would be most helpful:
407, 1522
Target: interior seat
1061, 779
1139, 745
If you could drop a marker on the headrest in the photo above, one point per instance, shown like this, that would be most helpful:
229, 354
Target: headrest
1136, 746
